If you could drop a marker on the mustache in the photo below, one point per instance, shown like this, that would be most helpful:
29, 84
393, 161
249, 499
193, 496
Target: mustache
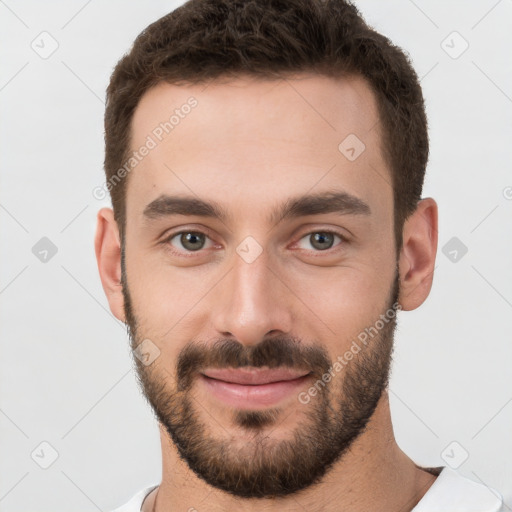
271, 352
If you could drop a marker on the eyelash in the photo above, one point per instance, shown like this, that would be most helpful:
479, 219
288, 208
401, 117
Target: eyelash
185, 253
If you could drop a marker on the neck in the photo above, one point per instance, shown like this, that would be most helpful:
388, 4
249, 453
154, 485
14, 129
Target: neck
374, 474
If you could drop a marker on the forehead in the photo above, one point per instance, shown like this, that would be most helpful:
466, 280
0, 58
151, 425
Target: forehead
251, 141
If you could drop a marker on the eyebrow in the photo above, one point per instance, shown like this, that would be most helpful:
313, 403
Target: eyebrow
338, 202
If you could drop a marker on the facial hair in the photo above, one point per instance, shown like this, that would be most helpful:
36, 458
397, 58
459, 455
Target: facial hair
263, 466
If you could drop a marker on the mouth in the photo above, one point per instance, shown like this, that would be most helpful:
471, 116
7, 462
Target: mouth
253, 387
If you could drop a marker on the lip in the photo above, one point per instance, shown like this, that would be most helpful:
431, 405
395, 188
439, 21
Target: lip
253, 388
253, 376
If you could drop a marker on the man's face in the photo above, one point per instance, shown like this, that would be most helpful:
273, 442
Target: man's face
276, 283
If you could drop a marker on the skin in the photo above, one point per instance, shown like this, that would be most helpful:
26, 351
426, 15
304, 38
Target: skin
250, 145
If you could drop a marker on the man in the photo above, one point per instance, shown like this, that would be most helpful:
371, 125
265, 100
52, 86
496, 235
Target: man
265, 161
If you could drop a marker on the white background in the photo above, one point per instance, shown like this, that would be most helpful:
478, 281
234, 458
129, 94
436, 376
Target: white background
66, 371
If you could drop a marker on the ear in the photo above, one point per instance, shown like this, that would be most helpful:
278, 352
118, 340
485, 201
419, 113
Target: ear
107, 246
418, 255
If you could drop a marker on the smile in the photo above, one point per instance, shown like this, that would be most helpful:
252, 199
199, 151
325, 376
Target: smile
250, 388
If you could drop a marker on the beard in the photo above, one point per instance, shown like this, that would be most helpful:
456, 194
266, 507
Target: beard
257, 465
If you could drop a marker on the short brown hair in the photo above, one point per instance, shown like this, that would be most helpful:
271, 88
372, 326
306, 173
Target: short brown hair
207, 39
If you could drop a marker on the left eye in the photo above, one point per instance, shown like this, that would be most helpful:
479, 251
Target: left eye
320, 240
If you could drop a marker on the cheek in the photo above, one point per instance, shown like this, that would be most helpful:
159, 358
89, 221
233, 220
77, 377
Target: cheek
160, 288
169, 303
346, 299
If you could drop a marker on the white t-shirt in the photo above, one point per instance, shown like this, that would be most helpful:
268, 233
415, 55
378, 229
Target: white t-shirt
450, 492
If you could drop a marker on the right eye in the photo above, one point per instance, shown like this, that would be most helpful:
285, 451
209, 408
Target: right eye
190, 241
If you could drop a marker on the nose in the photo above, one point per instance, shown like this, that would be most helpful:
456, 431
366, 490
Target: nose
253, 303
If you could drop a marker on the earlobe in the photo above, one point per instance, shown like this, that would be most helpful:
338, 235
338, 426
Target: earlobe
107, 247
418, 255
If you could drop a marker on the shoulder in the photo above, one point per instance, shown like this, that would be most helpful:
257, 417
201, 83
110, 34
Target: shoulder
452, 491
135, 503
